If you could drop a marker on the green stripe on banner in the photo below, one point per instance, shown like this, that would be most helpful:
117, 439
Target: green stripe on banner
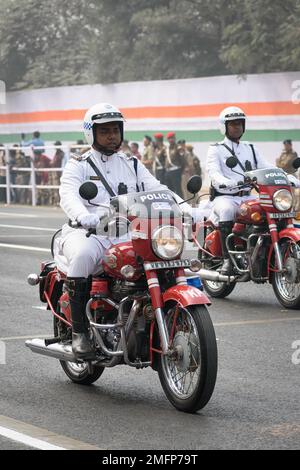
190, 136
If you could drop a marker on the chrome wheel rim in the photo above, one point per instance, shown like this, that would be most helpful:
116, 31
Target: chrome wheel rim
213, 285
77, 367
183, 369
288, 291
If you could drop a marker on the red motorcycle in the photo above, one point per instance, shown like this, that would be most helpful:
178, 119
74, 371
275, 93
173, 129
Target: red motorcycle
264, 245
141, 309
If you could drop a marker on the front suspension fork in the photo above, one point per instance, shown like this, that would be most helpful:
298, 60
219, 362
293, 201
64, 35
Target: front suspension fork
275, 241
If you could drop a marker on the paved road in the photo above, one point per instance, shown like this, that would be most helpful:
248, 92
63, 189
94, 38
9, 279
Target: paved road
255, 404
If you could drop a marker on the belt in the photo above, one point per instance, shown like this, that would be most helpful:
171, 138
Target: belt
239, 194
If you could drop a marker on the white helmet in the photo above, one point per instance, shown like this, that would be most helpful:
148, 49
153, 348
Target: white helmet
231, 114
99, 114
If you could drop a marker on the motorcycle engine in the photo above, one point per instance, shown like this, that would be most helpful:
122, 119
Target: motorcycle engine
120, 289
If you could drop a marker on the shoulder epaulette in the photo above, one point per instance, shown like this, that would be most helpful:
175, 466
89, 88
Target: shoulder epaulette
80, 158
124, 155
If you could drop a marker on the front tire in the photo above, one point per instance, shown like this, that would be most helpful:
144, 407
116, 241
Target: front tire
287, 285
189, 376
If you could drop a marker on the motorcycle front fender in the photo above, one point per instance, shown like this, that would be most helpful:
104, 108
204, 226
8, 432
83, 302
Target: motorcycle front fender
292, 233
185, 296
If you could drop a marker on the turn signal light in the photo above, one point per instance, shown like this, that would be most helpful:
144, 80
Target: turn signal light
297, 216
256, 217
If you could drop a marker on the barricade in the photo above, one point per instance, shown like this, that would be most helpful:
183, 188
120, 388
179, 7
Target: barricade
33, 187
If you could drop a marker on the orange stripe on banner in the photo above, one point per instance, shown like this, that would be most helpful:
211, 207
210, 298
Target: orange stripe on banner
280, 108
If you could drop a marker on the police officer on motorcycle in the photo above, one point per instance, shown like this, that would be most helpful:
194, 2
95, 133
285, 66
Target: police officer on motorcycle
224, 180
103, 129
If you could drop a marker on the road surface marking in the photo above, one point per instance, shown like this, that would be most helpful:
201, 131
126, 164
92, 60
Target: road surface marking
24, 247
257, 322
16, 338
39, 438
27, 440
26, 227
16, 214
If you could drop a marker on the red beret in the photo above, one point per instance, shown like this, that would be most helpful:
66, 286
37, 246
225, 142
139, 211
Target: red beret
159, 135
170, 135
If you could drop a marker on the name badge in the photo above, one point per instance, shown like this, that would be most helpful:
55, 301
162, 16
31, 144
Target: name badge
95, 178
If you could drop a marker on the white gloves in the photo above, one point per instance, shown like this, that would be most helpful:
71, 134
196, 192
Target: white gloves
294, 181
88, 220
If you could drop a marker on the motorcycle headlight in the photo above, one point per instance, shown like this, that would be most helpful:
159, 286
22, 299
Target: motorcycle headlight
167, 242
283, 200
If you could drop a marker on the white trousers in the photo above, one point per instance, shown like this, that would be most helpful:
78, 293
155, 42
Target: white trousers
84, 255
225, 208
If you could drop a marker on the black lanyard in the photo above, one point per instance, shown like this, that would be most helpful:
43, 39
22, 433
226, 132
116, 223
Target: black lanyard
234, 155
103, 180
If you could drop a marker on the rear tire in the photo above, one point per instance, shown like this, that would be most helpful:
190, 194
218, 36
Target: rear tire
78, 372
218, 290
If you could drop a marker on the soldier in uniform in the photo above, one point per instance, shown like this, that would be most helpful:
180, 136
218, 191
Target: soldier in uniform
54, 176
285, 161
160, 156
103, 128
288, 155
175, 164
148, 154
190, 168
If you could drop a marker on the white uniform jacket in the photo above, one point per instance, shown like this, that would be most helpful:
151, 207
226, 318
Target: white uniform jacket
117, 168
218, 171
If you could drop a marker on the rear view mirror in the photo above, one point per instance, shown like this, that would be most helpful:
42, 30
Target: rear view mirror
296, 163
231, 162
88, 190
194, 184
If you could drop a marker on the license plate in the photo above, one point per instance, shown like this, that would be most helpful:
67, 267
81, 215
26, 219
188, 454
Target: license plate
286, 215
178, 263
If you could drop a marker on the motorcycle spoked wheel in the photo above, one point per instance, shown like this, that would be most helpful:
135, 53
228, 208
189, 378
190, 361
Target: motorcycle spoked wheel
78, 372
217, 290
188, 378
287, 286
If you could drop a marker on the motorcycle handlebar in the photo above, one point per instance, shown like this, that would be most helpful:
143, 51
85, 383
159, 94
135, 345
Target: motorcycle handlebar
76, 224
241, 184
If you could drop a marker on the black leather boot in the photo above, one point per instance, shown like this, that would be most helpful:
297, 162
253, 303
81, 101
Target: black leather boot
225, 230
81, 344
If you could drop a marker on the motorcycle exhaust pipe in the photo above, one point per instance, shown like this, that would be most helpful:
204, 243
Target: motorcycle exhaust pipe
58, 351
210, 275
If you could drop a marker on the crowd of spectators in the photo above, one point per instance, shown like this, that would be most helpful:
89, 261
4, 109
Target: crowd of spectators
170, 160
172, 163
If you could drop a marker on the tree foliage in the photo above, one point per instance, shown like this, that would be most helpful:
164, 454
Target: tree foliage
69, 42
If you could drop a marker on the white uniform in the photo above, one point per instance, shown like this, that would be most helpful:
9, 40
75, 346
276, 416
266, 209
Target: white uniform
225, 207
83, 255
